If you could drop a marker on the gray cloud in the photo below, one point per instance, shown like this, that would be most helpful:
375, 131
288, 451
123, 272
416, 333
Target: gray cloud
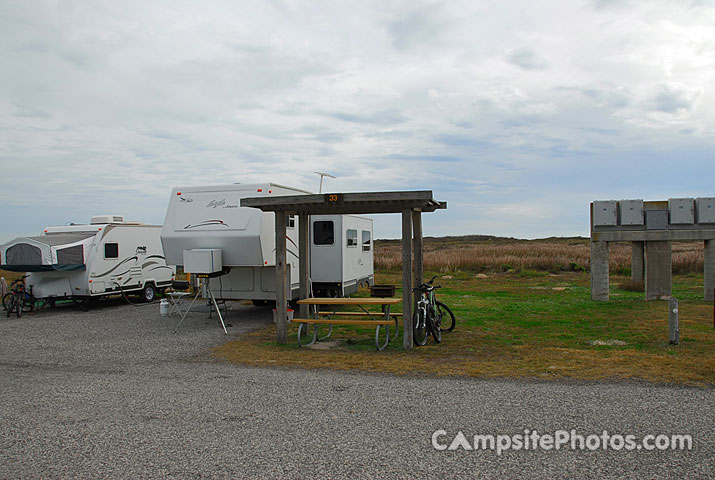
526, 58
23, 112
418, 27
608, 4
384, 117
615, 98
674, 99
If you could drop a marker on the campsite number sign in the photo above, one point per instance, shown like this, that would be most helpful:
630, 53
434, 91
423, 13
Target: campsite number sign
333, 197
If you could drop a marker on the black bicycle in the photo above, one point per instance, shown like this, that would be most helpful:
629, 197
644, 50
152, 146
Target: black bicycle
18, 299
431, 317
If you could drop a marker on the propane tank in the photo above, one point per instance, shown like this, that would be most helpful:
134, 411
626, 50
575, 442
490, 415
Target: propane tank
164, 307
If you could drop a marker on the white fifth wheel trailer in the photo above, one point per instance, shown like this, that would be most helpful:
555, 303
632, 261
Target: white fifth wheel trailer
207, 222
341, 254
107, 256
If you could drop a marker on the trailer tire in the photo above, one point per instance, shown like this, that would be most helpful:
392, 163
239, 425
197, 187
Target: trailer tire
148, 293
264, 303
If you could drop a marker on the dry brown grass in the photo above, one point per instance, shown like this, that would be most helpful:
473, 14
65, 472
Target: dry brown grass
549, 255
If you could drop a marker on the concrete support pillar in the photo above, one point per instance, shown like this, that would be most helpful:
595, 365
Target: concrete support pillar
638, 262
658, 270
709, 269
599, 271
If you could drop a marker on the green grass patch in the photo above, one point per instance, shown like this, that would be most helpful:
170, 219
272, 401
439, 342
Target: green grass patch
511, 324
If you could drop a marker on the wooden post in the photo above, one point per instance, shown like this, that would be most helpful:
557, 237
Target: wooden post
304, 260
407, 295
673, 321
281, 280
417, 245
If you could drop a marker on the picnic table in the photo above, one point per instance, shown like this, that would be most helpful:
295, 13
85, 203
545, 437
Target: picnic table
334, 316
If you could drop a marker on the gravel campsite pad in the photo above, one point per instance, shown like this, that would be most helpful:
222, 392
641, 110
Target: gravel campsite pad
115, 393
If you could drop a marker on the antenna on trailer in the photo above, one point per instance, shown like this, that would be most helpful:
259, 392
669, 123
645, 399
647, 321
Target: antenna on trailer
321, 179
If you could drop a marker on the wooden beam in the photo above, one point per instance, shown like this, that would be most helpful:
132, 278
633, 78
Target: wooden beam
407, 295
281, 280
348, 203
418, 266
410, 195
304, 260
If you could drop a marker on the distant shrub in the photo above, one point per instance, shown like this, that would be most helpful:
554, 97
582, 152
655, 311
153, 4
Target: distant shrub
575, 267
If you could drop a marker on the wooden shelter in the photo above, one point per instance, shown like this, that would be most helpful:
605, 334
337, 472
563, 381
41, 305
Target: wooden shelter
411, 204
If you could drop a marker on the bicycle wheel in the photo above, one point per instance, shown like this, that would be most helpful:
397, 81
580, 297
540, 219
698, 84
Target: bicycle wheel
10, 305
19, 304
419, 328
446, 317
433, 325
6, 300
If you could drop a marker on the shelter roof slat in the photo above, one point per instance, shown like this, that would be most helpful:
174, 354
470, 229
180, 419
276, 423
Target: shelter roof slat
348, 203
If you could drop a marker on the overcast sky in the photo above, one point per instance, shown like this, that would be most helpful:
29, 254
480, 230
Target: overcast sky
517, 113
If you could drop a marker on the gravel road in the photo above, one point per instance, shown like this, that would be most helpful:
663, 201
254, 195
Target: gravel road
114, 393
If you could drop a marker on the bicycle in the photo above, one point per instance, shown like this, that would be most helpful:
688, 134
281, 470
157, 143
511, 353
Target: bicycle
431, 317
18, 299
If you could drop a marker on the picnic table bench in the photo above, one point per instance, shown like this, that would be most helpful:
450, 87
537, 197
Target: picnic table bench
379, 320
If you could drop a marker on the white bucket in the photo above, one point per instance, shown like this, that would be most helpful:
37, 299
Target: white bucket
164, 307
290, 315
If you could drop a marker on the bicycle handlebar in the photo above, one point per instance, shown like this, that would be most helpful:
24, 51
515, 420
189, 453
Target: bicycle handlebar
426, 287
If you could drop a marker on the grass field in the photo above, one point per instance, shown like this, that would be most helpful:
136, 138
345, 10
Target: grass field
531, 317
528, 324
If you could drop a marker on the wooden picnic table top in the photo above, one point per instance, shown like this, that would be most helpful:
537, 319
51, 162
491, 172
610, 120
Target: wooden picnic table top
350, 301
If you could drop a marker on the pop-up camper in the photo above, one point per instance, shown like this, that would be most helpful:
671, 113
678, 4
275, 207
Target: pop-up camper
107, 256
207, 222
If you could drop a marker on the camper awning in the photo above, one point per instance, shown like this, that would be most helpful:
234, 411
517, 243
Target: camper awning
57, 251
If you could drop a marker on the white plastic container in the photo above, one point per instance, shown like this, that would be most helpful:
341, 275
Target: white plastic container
290, 315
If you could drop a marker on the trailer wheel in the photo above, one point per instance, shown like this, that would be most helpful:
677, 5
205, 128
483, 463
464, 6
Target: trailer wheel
264, 303
148, 293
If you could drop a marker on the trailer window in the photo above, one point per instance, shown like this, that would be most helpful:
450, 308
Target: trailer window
352, 238
323, 233
365, 240
111, 250
290, 221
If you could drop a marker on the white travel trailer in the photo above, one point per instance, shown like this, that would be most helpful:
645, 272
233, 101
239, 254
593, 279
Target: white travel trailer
108, 256
341, 254
204, 219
